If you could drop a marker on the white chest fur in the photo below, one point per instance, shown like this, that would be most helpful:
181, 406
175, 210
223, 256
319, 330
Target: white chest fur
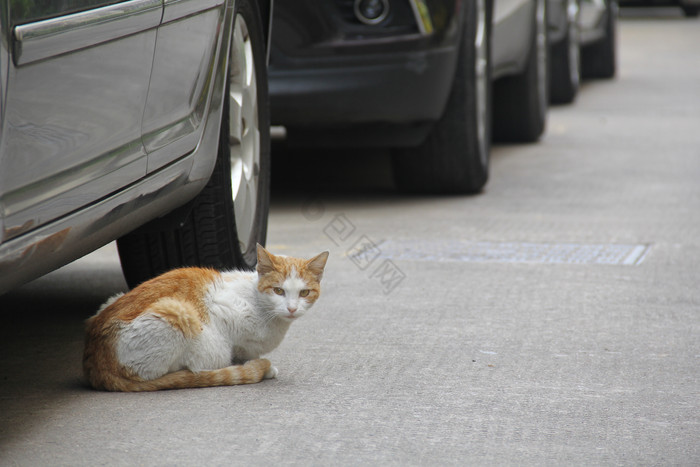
241, 318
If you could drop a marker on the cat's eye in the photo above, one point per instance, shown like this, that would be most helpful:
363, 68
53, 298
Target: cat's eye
278, 290
304, 293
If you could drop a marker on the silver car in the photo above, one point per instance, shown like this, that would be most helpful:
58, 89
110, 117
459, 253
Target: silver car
582, 41
143, 121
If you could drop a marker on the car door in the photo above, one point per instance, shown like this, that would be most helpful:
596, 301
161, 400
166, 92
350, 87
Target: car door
75, 86
183, 74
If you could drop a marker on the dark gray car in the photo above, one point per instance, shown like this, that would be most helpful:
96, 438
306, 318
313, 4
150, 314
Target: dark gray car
141, 120
413, 75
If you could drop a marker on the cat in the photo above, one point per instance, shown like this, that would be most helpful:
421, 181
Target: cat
197, 327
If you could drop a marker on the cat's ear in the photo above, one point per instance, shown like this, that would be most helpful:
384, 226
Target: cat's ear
265, 263
316, 264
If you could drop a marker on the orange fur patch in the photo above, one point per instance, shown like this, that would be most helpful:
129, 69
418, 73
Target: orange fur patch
249, 373
185, 285
177, 296
181, 315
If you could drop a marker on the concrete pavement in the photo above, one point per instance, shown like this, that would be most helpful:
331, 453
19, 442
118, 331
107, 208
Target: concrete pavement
554, 320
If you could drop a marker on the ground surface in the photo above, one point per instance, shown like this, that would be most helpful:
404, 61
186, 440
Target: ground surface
554, 319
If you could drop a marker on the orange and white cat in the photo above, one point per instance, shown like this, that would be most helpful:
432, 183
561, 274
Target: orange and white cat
195, 327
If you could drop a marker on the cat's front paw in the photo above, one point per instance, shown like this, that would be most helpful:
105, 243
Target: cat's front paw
271, 373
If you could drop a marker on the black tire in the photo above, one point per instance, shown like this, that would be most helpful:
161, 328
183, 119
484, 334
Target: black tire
598, 60
690, 11
521, 101
208, 236
565, 65
455, 156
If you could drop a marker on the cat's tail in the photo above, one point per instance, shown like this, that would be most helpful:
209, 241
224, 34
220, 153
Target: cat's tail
251, 372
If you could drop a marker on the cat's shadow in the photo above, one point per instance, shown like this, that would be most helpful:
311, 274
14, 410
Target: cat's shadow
41, 341
68, 291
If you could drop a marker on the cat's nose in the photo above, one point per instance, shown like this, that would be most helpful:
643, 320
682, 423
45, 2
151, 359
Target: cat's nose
291, 309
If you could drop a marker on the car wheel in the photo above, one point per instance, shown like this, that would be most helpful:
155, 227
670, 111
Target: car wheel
521, 101
229, 216
455, 156
598, 59
565, 61
690, 11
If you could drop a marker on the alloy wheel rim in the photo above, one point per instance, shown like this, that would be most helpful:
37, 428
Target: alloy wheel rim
541, 46
573, 37
481, 48
244, 134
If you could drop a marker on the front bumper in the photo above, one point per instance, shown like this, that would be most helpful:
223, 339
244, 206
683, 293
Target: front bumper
326, 71
390, 88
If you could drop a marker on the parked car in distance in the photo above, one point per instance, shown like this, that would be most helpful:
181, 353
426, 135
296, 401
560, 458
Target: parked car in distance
582, 43
107, 133
432, 79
